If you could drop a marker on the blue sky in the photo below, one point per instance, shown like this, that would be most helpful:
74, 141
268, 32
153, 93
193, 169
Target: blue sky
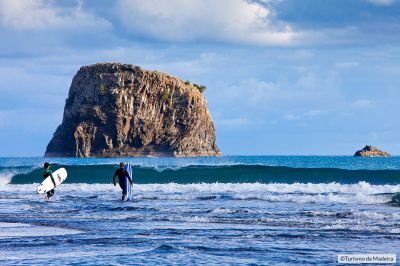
310, 77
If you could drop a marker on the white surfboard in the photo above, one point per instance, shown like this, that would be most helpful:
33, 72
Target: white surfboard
59, 176
128, 186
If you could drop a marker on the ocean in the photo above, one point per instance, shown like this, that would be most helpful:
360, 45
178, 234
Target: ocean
237, 210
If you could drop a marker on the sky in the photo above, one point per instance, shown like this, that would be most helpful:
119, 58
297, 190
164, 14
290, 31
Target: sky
283, 77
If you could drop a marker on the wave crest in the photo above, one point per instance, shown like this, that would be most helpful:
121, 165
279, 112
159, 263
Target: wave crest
92, 174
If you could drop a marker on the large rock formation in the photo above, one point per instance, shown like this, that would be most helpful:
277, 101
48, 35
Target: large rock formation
123, 110
369, 151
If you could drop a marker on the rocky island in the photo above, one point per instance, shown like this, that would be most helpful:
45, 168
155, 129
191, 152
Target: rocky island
116, 110
369, 151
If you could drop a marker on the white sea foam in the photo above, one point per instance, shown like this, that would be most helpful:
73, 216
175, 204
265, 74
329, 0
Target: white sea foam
26, 230
376, 215
361, 193
317, 198
370, 215
6, 225
196, 219
355, 227
5, 177
395, 231
307, 188
223, 211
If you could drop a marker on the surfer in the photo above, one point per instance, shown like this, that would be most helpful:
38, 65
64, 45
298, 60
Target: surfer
121, 173
46, 173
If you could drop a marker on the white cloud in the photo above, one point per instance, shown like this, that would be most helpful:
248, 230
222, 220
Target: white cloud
319, 91
308, 114
237, 21
382, 2
361, 103
233, 122
347, 65
41, 14
299, 55
291, 117
188, 68
252, 92
311, 113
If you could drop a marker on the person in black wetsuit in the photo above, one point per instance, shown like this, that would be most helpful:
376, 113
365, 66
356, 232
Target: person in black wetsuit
46, 173
121, 173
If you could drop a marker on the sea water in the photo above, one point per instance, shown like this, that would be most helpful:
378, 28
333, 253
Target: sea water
273, 210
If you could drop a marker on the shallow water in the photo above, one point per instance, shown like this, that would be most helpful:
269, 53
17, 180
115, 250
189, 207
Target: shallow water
199, 223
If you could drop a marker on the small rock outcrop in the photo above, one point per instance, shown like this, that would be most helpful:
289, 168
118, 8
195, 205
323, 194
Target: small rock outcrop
116, 110
369, 151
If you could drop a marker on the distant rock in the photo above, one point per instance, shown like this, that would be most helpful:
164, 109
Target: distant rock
116, 110
369, 151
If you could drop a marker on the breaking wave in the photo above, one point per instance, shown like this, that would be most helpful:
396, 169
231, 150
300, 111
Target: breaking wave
94, 174
359, 193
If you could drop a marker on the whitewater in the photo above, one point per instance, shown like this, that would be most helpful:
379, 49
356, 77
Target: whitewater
279, 210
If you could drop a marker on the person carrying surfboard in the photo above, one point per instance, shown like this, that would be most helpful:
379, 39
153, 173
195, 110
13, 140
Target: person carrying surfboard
46, 173
121, 173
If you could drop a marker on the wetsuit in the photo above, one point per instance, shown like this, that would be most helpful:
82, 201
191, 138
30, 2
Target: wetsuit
46, 173
121, 173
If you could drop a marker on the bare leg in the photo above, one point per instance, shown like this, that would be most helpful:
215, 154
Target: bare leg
49, 194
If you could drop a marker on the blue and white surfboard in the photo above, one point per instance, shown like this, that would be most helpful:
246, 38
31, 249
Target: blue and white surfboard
128, 186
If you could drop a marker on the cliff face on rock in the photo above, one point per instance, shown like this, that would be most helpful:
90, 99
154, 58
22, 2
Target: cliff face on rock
123, 110
369, 151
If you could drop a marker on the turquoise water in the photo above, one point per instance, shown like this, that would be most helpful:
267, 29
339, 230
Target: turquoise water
226, 210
